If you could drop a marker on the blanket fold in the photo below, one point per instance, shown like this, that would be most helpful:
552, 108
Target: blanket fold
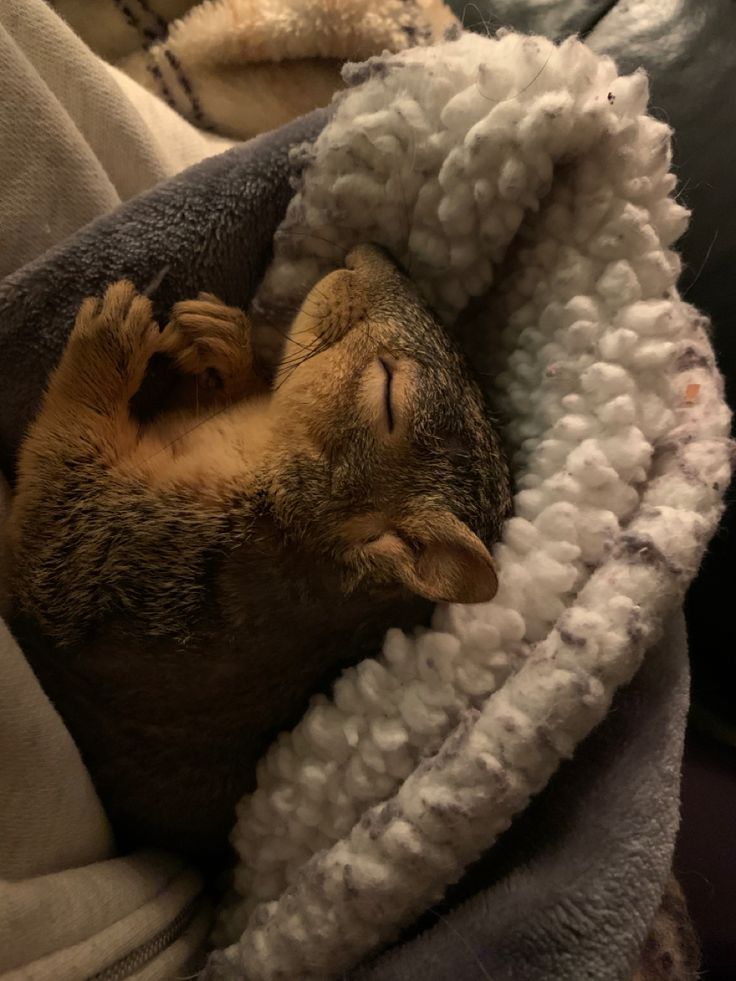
571, 889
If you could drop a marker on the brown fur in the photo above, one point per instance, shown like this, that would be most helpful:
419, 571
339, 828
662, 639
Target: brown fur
182, 587
671, 951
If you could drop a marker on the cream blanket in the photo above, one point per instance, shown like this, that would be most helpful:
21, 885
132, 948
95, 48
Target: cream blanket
241, 67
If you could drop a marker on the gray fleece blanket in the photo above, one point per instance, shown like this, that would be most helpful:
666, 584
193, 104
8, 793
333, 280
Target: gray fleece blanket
569, 891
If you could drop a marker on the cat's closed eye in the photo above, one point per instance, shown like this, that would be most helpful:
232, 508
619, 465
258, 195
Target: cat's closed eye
387, 394
384, 392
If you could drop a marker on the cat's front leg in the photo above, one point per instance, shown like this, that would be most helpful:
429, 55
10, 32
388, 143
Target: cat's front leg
108, 351
85, 414
71, 505
207, 338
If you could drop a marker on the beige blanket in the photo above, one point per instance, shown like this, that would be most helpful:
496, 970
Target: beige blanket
76, 139
70, 907
241, 67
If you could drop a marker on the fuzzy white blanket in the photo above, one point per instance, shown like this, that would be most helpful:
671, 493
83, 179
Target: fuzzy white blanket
529, 174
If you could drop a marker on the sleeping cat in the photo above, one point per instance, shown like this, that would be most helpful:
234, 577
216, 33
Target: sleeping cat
182, 586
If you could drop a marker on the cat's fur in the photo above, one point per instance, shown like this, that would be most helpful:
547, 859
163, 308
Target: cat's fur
671, 951
181, 587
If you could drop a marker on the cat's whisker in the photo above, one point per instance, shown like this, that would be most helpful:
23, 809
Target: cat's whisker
320, 294
298, 357
293, 366
463, 939
486, 23
289, 336
307, 234
297, 362
187, 432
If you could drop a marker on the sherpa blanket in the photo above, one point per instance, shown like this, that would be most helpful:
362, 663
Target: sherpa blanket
571, 888
241, 67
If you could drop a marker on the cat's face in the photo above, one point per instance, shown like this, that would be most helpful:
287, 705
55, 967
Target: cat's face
392, 460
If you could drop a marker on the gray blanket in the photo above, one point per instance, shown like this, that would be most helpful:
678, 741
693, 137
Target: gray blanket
570, 890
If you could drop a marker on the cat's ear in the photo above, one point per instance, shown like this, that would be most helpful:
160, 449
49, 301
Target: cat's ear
438, 557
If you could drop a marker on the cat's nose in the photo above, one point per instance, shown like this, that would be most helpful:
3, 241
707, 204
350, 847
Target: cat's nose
335, 305
371, 259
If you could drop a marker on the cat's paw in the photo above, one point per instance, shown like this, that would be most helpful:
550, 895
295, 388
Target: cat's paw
114, 336
205, 337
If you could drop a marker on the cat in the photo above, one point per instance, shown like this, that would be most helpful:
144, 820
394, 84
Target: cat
182, 586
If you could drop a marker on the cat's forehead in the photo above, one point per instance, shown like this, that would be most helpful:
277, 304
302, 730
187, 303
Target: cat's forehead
402, 312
